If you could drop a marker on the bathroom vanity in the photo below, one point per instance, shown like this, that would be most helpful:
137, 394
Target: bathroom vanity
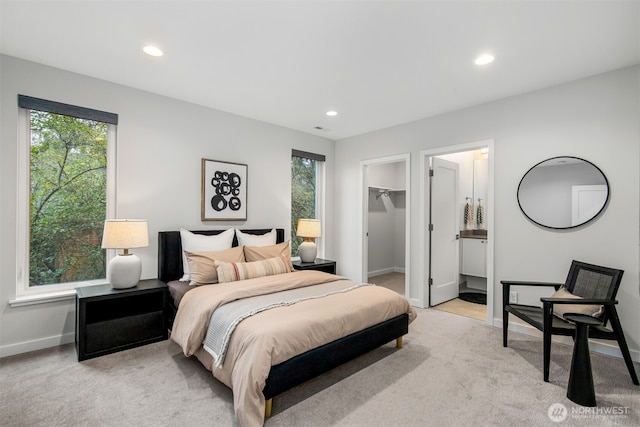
473, 258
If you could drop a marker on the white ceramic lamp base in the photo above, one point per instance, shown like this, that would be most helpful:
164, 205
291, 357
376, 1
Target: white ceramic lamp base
307, 251
124, 271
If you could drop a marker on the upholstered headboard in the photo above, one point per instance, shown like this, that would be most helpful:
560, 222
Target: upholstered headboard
170, 249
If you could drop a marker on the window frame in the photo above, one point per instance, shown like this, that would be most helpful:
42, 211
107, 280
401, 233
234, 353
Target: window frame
52, 292
320, 178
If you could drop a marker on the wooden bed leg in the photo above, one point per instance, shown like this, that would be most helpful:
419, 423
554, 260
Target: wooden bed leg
267, 407
399, 342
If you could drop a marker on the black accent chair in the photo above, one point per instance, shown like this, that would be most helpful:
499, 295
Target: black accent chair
596, 285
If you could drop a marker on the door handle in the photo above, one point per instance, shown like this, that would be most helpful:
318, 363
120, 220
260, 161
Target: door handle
457, 237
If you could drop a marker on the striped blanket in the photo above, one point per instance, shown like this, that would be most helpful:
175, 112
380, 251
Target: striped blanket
225, 318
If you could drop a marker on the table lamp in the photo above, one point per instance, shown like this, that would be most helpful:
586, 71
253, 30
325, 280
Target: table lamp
124, 269
309, 229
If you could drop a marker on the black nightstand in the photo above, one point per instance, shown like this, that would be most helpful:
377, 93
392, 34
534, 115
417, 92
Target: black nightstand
319, 264
110, 320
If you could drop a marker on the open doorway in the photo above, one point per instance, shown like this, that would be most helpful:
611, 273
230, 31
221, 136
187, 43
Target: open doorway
458, 219
386, 191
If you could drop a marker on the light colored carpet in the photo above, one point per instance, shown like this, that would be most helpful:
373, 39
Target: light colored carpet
452, 371
393, 281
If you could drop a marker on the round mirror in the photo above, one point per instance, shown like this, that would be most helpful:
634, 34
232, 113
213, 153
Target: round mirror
563, 192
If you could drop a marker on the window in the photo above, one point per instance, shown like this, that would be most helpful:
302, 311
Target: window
65, 172
307, 193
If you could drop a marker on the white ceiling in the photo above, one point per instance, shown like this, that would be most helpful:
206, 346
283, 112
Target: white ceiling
378, 63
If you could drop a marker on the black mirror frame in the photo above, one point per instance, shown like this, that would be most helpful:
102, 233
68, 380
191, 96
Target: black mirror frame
604, 205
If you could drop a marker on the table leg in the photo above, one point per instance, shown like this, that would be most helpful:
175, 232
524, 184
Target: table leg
580, 389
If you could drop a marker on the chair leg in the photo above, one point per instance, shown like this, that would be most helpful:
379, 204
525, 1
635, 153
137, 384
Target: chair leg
505, 313
546, 332
622, 343
505, 327
547, 355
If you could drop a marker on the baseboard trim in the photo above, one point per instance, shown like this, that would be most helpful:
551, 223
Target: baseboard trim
380, 272
385, 271
39, 344
597, 346
415, 302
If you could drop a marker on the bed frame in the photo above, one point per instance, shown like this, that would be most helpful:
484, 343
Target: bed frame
305, 366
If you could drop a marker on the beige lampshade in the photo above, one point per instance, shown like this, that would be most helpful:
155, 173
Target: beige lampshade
125, 234
308, 228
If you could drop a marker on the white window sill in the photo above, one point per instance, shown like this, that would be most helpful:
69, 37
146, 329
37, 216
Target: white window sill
54, 296
43, 298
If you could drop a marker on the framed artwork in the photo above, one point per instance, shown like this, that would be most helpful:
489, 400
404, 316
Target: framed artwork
224, 191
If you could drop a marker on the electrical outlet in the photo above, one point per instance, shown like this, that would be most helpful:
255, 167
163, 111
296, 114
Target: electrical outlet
513, 297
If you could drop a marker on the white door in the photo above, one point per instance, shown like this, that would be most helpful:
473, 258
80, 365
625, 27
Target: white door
444, 232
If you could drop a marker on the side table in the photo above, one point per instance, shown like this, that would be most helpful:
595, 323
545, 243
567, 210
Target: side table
110, 320
318, 264
580, 389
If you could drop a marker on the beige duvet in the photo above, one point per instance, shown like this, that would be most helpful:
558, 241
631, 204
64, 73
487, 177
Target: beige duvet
276, 335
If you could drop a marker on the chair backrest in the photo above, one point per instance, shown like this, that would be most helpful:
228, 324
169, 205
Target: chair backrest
593, 281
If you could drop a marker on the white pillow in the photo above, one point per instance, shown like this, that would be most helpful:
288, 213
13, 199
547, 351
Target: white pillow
267, 239
200, 243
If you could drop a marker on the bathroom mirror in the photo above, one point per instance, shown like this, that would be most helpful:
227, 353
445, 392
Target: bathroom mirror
563, 192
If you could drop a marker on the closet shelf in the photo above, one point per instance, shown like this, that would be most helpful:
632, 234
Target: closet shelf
384, 191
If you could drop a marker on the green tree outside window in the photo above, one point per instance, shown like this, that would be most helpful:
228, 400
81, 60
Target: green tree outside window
68, 182
303, 195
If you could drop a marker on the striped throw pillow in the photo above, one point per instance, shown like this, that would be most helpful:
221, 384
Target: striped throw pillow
233, 271
202, 265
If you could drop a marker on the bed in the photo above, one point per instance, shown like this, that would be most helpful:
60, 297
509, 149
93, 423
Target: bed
311, 337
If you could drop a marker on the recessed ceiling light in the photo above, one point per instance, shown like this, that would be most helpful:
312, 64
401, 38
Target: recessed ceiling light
332, 113
484, 59
152, 51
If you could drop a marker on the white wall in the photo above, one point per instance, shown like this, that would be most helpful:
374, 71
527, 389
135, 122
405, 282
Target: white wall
472, 180
464, 160
480, 188
595, 118
160, 144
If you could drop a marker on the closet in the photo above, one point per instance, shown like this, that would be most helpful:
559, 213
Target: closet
386, 219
